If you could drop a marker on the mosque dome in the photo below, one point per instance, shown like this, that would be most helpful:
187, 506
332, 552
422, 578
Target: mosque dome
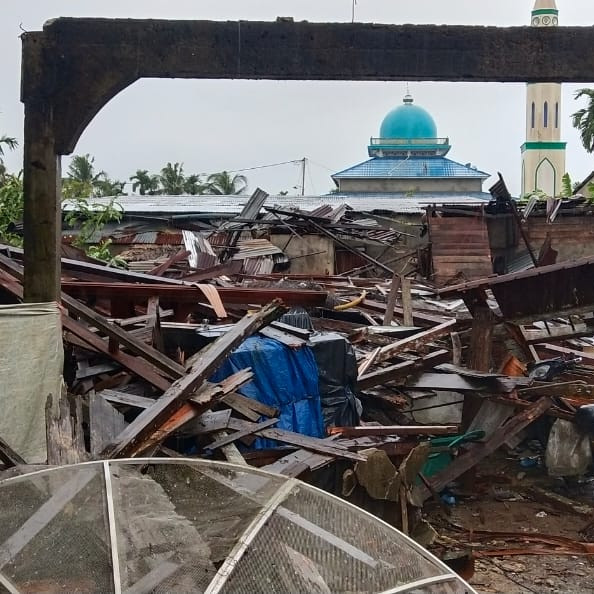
408, 121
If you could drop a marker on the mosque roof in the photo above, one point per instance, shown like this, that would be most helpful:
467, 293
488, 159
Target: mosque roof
408, 121
411, 167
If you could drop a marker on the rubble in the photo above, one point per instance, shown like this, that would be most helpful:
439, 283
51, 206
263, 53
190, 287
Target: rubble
218, 350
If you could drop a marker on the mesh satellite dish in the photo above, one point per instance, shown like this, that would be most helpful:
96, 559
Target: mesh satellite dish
177, 525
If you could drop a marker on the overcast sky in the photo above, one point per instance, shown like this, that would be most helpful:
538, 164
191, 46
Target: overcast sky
216, 125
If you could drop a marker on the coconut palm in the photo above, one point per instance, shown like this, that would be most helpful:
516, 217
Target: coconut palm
109, 187
193, 185
583, 119
82, 169
82, 181
172, 179
145, 182
224, 184
9, 142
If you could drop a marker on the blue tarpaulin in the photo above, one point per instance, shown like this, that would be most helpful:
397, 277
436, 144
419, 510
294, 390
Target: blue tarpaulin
284, 378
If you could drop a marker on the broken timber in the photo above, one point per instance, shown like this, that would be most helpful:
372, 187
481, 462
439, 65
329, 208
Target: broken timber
207, 361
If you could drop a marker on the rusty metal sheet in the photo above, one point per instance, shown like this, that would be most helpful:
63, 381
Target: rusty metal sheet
539, 293
459, 248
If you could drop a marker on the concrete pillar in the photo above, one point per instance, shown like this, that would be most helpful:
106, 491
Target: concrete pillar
42, 216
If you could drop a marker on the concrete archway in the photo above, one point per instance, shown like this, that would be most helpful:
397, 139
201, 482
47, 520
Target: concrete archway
73, 67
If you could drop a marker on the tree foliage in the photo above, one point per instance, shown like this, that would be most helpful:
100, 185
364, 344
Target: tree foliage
11, 208
91, 217
223, 183
583, 119
566, 186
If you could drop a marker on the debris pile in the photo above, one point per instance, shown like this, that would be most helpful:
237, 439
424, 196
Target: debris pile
374, 385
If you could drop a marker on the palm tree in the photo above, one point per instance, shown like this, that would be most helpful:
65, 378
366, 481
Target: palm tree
223, 184
109, 187
82, 169
172, 179
10, 143
193, 185
145, 183
583, 119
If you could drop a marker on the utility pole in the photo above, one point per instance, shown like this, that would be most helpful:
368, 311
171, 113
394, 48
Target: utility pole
303, 165
353, 11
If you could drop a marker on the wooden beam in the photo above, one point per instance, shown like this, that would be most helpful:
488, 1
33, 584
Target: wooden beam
407, 312
303, 441
371, 430
391, 303
163, 267
401, 370
115, 332
477, 452
230, 438
202, 367
416, 341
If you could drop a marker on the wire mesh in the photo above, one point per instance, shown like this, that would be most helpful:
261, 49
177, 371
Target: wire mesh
54, 532
196, 526
319, 544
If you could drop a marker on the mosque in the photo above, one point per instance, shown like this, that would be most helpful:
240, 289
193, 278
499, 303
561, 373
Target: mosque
408, 159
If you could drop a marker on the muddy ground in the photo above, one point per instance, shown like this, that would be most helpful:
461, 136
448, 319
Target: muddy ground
503, 496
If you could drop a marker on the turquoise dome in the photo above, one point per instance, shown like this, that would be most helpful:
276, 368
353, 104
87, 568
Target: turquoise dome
408, 121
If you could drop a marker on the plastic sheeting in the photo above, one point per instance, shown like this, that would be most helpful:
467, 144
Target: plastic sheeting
284, 378
337, 363
31, 362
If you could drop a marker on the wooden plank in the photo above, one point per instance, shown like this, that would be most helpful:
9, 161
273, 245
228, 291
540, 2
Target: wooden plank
133, 400
203, 365
416, 341
239, 407
255, 405
402, 370
391, 302
555, 350
136, 365
163, 267
295, 463
303, 441
407, 312
105, 422
153, 356
230, 451
372, 430
230, 438
477, 452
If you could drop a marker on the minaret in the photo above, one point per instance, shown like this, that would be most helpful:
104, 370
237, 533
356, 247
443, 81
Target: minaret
543, 153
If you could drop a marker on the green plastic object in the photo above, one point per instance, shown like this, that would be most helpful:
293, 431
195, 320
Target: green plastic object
437, 461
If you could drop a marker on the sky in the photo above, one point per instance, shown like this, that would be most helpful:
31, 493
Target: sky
214, 125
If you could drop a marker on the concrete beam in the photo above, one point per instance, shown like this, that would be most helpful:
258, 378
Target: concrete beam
73, 67
91, 60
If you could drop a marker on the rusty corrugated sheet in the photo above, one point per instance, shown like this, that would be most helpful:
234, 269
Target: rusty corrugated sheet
345, 261
539, 293
459, 248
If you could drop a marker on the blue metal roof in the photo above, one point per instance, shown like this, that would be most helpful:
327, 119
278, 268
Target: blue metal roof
410, 167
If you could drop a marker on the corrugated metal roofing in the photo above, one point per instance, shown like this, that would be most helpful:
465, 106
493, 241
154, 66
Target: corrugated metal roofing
411, 167
203, 206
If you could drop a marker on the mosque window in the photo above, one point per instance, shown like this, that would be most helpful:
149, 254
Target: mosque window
533, 113
546, 114
556, 115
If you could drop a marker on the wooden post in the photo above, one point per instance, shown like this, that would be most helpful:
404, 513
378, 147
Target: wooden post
407, 311
42, 213
394, 286
479, 357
